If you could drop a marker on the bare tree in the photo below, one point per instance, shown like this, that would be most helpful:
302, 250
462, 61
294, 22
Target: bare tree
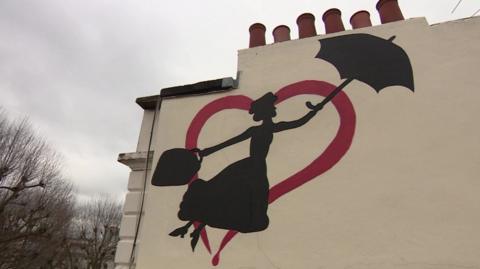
97, 226
36, 203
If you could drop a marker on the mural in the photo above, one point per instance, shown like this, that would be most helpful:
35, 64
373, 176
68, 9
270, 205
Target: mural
237, 198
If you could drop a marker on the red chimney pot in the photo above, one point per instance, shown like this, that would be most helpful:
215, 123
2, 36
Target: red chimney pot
333, 21
281, 33
306, 25
257, 35
360, 19
389, 11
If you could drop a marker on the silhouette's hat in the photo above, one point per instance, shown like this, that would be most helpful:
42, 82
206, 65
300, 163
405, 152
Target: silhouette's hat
263, 102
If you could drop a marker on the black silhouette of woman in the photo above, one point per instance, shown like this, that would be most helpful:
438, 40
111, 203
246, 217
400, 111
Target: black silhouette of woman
237, 198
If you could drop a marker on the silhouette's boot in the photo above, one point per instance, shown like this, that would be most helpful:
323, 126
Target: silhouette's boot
195, 235
181, 231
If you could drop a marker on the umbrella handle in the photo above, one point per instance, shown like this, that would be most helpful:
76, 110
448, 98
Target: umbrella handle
329, 97
197, 150
312, 106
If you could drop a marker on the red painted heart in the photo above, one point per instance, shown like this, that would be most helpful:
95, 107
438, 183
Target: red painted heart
327, 159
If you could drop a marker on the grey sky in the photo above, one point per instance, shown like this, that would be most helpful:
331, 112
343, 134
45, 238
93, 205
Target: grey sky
75, 67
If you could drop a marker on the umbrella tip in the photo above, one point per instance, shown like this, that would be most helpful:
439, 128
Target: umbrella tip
392, 38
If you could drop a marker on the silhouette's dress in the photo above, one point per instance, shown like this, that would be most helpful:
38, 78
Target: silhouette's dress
236, 198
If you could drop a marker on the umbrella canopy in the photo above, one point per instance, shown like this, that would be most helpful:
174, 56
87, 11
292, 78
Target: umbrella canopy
373, 60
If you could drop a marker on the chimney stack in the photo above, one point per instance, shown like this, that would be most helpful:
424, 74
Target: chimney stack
257, 35
306, 25
360, 19
333, 21
281, 33
389, 11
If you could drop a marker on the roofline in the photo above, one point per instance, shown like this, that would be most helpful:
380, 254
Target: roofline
203, 87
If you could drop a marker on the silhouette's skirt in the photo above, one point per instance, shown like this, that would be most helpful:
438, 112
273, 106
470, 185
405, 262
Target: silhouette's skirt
235, 199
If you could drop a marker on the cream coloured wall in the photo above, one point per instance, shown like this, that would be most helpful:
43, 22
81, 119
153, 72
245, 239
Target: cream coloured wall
405, 195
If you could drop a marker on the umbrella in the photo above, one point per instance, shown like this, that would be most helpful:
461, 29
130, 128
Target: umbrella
373, 60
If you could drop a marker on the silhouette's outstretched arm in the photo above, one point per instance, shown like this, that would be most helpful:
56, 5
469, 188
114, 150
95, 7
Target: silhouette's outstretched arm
239, 138
286, 125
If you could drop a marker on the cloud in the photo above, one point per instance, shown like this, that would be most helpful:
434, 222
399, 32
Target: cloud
75, 71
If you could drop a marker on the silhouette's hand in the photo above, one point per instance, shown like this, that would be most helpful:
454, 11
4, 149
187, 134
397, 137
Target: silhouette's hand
198, 151
203, 152
318, 107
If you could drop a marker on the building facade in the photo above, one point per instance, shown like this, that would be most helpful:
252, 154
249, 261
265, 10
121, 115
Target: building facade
383, 173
